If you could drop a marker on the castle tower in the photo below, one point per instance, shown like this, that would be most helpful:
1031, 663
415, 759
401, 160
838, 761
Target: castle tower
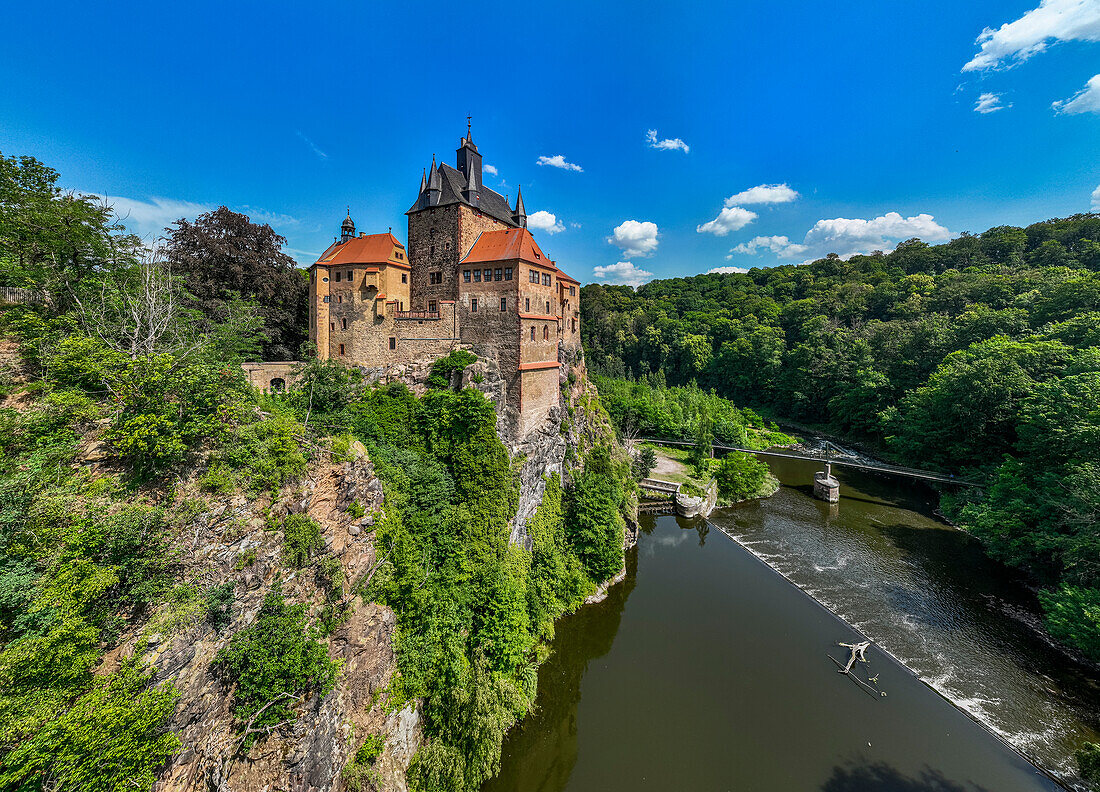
453, 207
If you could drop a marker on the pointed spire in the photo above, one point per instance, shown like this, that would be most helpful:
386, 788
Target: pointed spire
423, 181
435, 185
519, 216
472, 186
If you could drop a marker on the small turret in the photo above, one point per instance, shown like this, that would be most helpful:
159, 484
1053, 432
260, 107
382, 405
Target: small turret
347, 228
423, 182
472, 191
435, 185
519, 216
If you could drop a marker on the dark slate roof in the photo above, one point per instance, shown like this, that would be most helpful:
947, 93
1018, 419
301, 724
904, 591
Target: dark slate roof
491, 202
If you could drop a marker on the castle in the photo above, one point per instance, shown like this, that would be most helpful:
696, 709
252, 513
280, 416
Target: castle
472, 275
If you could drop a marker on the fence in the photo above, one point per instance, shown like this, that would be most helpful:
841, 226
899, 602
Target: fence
12, 295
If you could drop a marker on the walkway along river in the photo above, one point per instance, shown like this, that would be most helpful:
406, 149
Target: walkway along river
705, 670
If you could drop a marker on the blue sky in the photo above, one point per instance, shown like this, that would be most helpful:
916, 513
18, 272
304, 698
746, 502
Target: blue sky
859, 124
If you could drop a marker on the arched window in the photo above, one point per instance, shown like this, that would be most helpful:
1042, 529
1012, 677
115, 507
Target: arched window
545, 333
532, 332
278, 385
343, 324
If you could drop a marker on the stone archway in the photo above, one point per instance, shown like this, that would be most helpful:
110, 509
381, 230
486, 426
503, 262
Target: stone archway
278, 385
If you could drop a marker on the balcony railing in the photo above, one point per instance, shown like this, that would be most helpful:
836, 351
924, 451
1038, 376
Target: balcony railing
416, 314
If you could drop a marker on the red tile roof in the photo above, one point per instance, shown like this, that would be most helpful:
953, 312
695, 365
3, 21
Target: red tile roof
367, 249
508, 244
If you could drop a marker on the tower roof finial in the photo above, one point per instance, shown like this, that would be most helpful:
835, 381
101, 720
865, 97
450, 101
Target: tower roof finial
468, 121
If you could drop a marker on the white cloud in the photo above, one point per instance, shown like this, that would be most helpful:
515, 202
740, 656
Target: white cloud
558, 161
623, 272
763, 194
668, 144
1096, 199
574, 225
635, 238
989, 103
732, 218
726, 270
849, 237
776, 244
545, 221
313, 146
1015, 42
150, 218
1087, 100
489, 169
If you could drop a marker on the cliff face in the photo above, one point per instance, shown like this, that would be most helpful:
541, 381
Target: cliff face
239, 540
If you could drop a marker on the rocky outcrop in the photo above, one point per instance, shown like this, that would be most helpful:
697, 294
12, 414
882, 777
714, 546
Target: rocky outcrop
234, 541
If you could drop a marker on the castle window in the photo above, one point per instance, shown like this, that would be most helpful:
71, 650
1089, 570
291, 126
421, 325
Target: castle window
572, 290
393, 342
527, 304
349, 276
532, 332
431, 250
574, 325
537, 255
339, 298
545, 333
507, 273
433, 306
504, 303
488, 275
497, 275
400, 256
545, 279
326, 298
332, 325
324, 280
477, 276
533, 277
404, 277
341, 349
547, 307
435, 277
337, 276
446, 245
465, 276
343, 324
473, 305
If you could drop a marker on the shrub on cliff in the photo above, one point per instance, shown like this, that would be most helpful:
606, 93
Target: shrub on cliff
274, 662
595, 522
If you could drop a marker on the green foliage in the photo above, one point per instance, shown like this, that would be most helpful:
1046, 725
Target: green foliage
1088, 762
444, 367
114, 737
322, 388
596, 504
274, 662
1073, 617
741, 476
301, 539
263, 454
219, 604
644, 462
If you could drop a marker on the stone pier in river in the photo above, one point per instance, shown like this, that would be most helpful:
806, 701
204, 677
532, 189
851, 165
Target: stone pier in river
826, 487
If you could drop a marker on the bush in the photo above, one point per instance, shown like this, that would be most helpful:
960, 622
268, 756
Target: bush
274, 661
266, 453
595, 524
740, 476
219, 605
114, 737
301, 539
1073, 617
443, 368
1088, 762
644, 462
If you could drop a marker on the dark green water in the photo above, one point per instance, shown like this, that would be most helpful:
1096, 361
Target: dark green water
707, 670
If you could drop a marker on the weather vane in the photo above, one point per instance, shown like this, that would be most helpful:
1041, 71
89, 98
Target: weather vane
468, 118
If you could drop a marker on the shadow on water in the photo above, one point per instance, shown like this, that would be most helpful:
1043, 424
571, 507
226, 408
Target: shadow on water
881, 777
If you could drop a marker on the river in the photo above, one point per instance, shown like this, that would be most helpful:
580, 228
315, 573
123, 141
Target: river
707, 670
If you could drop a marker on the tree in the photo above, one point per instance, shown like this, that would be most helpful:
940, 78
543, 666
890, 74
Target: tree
222, 254
740, 476
644, 462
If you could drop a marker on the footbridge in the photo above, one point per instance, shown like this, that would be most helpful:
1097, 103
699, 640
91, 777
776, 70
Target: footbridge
826, 486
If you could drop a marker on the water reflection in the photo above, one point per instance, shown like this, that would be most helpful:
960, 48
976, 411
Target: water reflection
881, 777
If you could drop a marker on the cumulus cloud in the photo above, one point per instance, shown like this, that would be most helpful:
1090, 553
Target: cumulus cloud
558, 161
1053, 21
725, 270
668, 144
545, 221
776, 244
763, 194
732, 218
635, 238
623, 272
1087, 100
1096, 199
574, 225
989, 103
848, 237
489, 169
150, 218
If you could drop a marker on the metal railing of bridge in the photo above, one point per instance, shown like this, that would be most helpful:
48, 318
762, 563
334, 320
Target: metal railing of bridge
14, 295
851, 462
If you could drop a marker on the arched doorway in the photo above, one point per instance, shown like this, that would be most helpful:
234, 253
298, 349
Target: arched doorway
278, 384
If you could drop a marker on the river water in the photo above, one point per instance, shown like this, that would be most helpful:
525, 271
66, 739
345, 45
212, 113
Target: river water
707, 670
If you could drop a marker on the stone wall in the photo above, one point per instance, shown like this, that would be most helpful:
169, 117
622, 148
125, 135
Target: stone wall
276, 376
386, 335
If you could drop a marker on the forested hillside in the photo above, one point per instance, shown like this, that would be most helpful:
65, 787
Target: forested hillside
190, 568
980, 356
